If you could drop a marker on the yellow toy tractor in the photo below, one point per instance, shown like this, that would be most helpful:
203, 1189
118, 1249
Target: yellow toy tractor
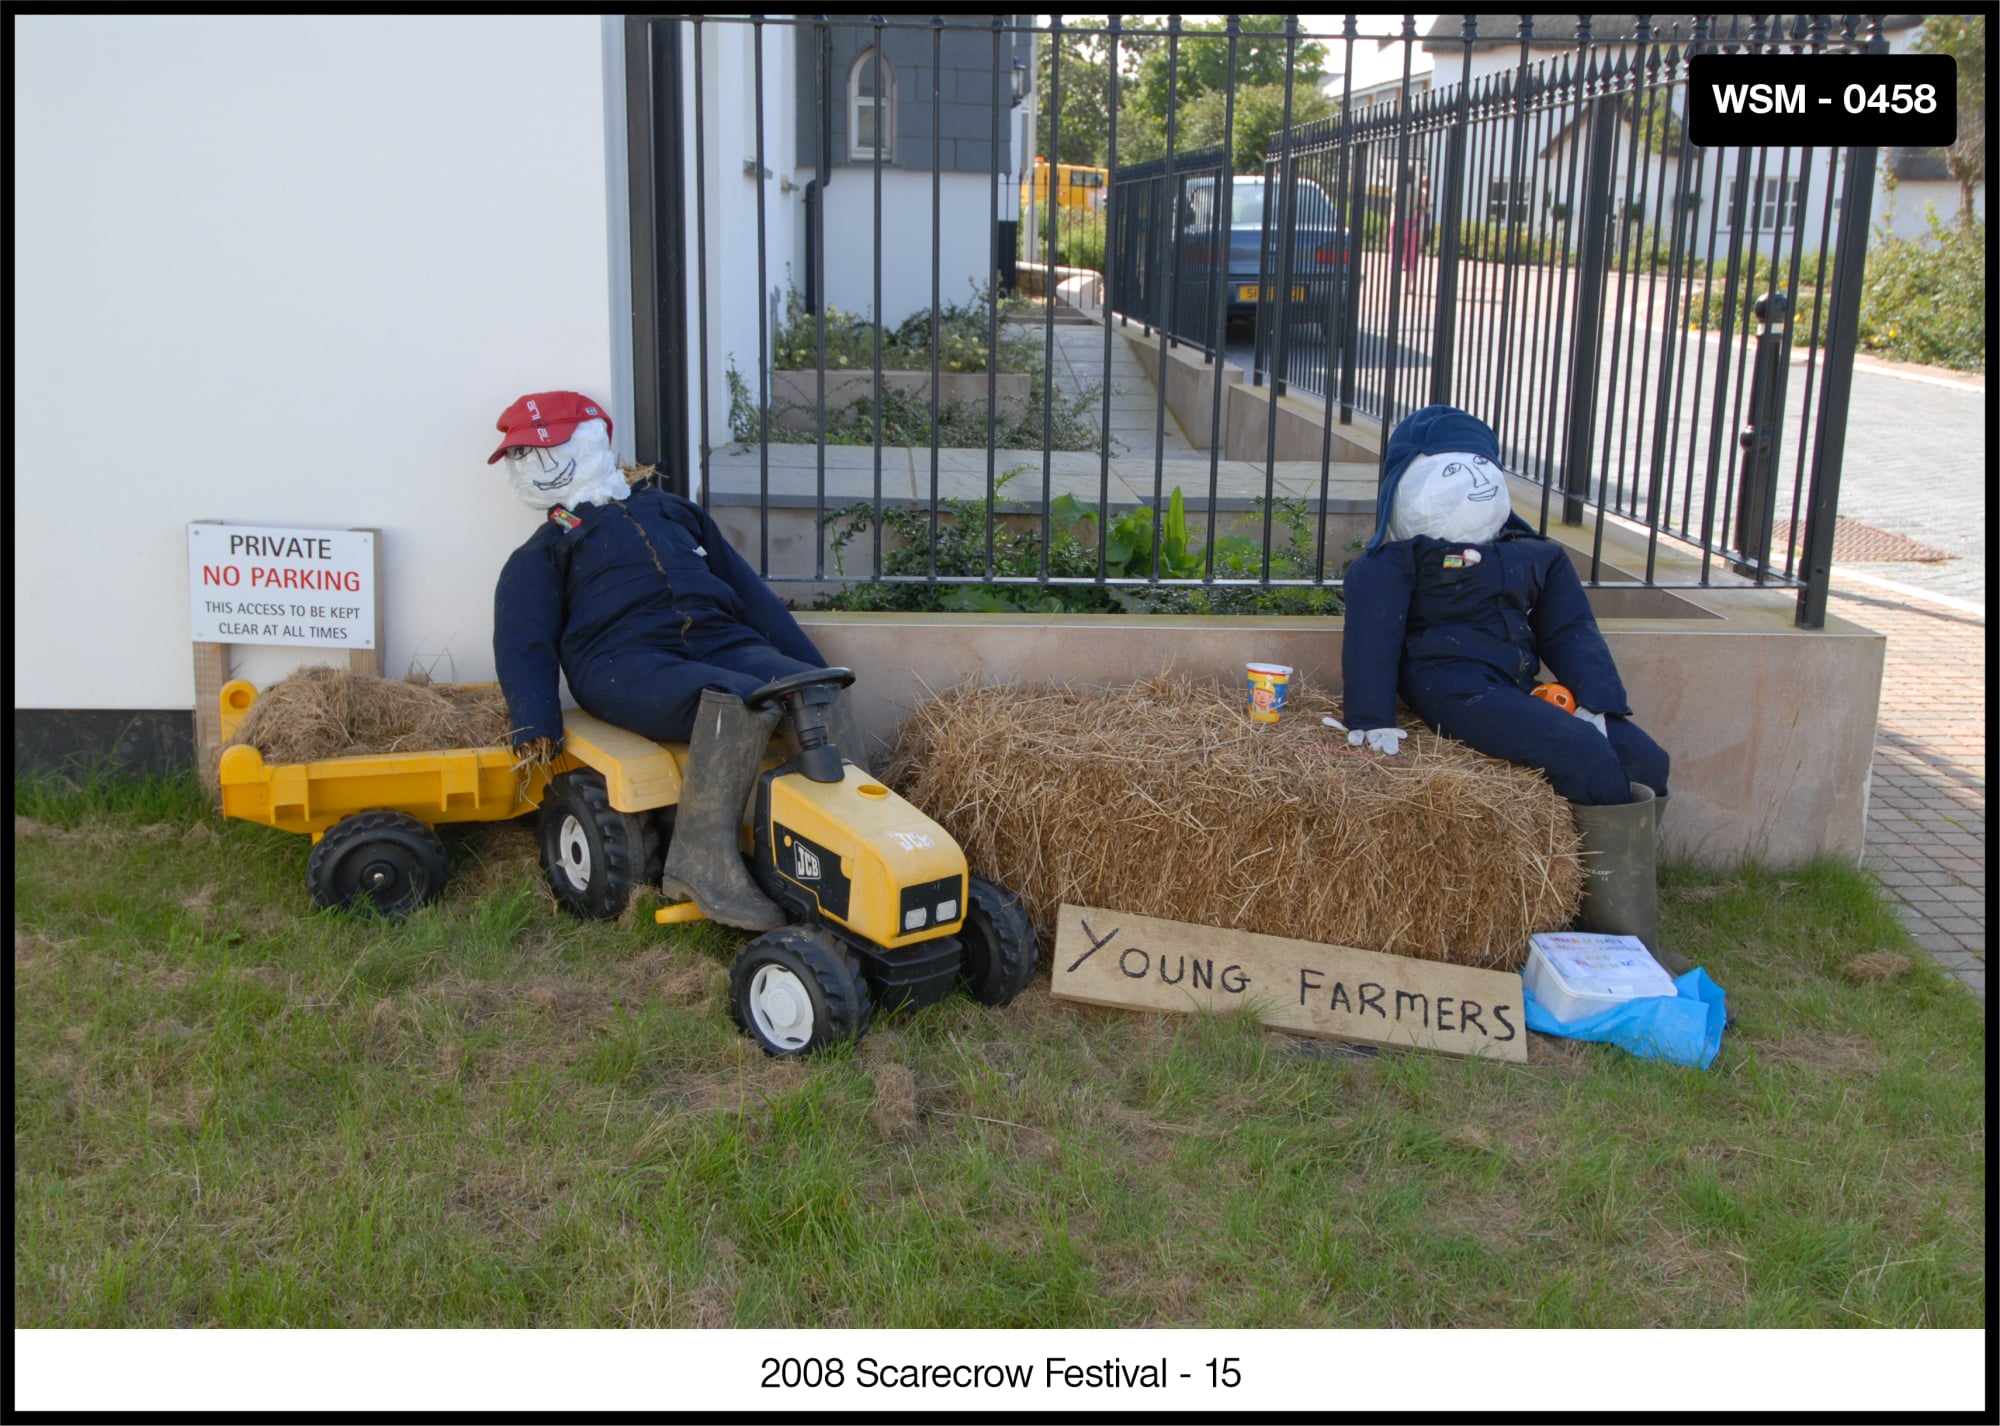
883, 910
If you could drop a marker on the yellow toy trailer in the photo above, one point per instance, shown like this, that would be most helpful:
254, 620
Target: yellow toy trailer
884, 910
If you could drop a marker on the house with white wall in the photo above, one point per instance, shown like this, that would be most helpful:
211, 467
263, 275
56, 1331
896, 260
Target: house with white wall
1786, 186
286, 271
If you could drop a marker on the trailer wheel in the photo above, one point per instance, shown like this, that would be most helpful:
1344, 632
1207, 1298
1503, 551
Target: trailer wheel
999, 944
390, 861
797, 990
594, 855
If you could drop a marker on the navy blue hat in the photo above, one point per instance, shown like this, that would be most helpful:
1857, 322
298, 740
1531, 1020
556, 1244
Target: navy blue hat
1431, 431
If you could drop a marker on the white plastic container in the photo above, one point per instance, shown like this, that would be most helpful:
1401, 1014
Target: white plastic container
1576, 974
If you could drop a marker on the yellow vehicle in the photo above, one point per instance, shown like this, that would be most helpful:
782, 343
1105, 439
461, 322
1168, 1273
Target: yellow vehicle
1078, 186
883, 909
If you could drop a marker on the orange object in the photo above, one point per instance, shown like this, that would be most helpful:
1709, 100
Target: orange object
1555, 693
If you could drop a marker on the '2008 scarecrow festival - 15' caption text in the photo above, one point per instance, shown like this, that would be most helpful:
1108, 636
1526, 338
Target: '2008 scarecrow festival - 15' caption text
1338, 992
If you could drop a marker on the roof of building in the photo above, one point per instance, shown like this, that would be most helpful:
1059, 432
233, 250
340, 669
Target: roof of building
1559, 31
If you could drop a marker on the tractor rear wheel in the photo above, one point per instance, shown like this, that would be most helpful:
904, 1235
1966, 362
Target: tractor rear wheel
594, 855
797, 990
999, 944
389, 861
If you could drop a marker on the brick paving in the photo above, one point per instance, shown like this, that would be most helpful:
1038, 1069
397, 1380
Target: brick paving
1927, 793
1915, 465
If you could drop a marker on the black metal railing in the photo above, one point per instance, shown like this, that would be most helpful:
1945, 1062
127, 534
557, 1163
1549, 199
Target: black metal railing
1540, 244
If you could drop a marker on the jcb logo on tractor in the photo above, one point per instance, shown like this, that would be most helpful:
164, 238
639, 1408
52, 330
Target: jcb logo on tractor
806, 865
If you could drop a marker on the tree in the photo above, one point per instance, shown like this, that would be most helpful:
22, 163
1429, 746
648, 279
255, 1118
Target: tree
1084, 132
1258, 121
1201, 64
1963, 37
1201, 90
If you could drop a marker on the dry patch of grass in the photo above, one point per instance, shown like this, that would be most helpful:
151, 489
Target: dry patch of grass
1876, 967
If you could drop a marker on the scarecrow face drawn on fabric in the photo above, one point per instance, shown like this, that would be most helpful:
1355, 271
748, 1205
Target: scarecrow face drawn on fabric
582, 470
1453, 496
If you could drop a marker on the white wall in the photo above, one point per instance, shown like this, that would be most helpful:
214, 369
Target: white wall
965, 239
1907, 209
287, 271
729, 207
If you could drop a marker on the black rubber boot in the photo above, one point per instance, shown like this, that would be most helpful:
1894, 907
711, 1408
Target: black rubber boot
703, 863
1621, 895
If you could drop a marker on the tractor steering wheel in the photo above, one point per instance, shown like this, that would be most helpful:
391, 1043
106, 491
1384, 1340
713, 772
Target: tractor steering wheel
777, 688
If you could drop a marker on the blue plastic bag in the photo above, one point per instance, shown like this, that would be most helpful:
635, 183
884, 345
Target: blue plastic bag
1682, 1029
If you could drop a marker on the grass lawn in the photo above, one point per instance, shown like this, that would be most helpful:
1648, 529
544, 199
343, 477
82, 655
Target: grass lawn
232, 1110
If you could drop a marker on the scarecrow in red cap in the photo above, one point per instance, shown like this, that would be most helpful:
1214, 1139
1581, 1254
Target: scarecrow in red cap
659, 624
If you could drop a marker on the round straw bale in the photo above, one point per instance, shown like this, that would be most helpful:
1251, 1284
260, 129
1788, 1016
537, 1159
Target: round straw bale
325, 712
1162, 798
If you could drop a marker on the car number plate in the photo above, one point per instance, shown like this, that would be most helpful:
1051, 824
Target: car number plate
1248, 293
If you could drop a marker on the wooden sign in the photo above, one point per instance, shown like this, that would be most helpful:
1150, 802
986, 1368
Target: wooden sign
1337, 992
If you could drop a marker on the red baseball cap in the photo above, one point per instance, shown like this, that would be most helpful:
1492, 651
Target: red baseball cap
547, 418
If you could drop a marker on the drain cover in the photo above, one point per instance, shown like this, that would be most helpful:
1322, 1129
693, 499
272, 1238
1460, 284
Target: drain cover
1856, 543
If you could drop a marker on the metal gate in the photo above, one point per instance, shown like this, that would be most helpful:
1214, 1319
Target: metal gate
1539, 243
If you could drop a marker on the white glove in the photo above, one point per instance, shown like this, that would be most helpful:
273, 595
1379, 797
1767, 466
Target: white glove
1379, 740
1596, 720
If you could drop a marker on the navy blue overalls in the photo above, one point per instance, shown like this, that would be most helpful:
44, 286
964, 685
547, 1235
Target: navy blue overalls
1462, 639
643, 604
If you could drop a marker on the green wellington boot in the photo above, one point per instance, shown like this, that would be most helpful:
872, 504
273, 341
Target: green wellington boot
1621, 895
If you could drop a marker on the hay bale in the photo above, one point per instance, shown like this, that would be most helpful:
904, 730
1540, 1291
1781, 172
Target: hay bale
1161, 798
324, 712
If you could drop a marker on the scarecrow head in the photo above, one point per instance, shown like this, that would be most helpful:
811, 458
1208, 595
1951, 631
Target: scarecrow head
1454, 495
1442, 478
557, 446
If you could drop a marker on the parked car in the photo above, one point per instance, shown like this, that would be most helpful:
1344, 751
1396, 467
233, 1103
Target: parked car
1320, 250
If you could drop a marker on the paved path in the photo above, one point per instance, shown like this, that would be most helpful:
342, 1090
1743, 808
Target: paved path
1915, 465
1927, 793
1136, 412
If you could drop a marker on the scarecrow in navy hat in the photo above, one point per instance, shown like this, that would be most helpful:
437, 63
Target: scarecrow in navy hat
661, 627
1458, 603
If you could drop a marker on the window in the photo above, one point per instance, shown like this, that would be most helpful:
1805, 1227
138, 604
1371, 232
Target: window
1498, 192
1087, 178
1776, 205
871, 101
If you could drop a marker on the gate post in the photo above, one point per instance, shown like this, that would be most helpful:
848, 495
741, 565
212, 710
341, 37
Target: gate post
1593, 247
1842, 335
1757, 494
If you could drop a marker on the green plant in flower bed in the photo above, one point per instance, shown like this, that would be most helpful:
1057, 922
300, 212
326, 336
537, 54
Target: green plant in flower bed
230, 1110
906, 420
955, 547
963, 345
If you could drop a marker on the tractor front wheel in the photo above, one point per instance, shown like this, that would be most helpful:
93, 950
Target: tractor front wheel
390, 861
999, 944
797, 990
